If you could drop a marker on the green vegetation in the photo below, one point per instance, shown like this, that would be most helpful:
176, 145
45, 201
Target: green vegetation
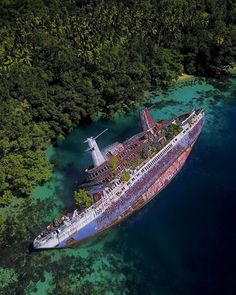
125, 176
172, 131
139, 161
135, 163
23, 165
7, 276
83, 198
148, 151
113, 163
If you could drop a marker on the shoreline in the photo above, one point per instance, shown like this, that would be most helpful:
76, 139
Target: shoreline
232, 70
184, 77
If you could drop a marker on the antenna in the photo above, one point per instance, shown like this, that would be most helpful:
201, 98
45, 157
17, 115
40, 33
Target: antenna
151, 107
101, 133
96, 135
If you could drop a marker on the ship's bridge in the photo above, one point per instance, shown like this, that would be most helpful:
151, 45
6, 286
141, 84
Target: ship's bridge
112, 149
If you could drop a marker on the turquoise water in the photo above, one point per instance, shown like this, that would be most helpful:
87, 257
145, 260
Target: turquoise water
184, 241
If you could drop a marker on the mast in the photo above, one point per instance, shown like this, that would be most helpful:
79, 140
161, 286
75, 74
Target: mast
147, 121
97, 156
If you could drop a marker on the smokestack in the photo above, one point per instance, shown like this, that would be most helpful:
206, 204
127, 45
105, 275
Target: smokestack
97, 156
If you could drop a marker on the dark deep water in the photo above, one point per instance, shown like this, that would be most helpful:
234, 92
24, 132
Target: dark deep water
184, 241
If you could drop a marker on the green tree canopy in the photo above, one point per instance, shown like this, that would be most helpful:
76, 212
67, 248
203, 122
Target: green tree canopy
82, 198
113, 162
125, 176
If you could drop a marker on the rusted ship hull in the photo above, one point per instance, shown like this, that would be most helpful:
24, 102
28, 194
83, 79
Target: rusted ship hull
120, 198
132, 201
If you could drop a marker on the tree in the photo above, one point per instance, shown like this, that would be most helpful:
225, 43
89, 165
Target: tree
113, 163
83, 198
125, 176
172, 131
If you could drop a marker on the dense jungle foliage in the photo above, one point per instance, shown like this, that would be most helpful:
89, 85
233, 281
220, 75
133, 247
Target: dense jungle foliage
63, 62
